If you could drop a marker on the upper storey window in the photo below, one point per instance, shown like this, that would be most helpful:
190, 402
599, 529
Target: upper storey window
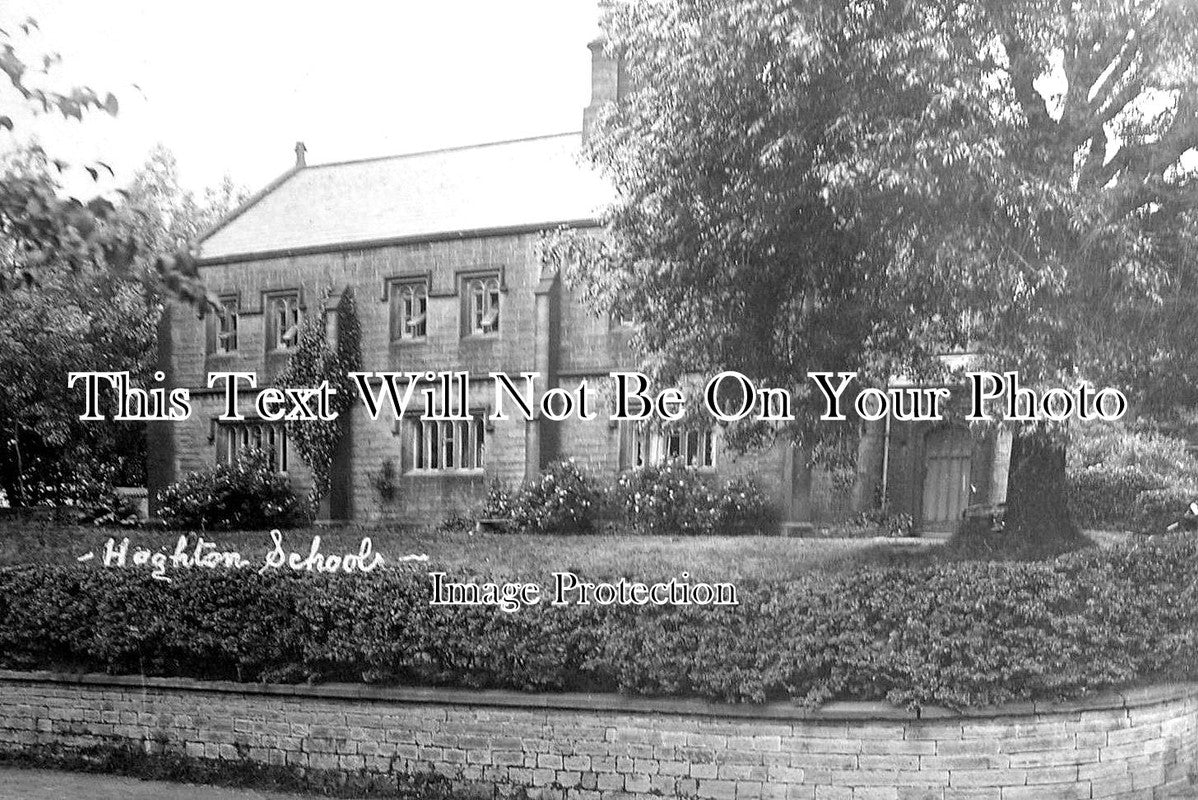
222, 330
283, 317
226, 336
409, 310
482, 305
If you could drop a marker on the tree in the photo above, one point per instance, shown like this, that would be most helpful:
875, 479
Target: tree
80, 289
50, 230
94, 319
69, 322
723, 245
1072, 206
860, 185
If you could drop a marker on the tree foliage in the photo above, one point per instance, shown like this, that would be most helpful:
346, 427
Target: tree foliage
48, 231
1052, 175
80, 288
85, 320
865, 185
69, 323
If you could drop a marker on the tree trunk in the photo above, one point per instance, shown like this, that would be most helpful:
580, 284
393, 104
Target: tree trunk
1037, 521
1037, 515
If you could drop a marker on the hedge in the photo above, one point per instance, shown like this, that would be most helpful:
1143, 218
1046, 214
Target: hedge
955, 634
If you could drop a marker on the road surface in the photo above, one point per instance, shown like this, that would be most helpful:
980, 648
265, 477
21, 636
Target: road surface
47, 784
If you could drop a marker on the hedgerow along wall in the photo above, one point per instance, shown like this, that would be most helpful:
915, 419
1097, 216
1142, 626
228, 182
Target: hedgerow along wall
1138, 744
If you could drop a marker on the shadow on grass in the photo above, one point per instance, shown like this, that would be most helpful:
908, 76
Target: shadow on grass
975, 540
970, 543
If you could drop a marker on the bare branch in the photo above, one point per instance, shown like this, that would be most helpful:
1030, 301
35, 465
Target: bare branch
1147, 163
1101, 94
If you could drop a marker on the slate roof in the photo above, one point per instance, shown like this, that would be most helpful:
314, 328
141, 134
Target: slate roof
528, 182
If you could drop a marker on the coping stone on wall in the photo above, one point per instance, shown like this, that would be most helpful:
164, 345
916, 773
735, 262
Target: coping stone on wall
839, 710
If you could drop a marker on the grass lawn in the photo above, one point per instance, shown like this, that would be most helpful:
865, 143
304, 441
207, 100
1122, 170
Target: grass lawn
506, 556
501, 556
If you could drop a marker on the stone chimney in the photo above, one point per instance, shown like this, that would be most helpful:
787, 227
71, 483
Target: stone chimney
300, 155
608, 78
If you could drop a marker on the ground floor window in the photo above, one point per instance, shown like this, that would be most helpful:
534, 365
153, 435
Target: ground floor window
233, 438
693, 447
440, 446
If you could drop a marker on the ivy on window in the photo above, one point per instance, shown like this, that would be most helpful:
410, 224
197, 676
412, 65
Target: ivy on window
313, 361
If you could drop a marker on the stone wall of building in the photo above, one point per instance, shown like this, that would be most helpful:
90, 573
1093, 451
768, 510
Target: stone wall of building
1141, 744
570, 344
186, 446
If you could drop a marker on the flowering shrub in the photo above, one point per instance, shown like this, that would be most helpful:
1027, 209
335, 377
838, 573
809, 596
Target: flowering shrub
498, 504
954, 634
111, 510
563, 499
675, 500
742, 508
665, 500
245, 495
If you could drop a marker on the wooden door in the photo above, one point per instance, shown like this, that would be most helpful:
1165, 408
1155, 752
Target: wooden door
946, 487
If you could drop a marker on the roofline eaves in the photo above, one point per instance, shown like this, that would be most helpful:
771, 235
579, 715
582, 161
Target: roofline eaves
391, 241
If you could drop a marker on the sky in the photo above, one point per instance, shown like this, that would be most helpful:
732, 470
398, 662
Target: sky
230, 87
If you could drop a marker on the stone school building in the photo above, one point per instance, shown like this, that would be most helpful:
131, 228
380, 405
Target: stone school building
439, 250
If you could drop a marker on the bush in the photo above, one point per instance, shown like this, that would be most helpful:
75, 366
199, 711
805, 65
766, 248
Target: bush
1111, 465
245, 495
111, 510
563, 499
955, 634
675, 500
1156, 509
455, 523
877, 522
665, 500
743, 509
498, 504
1102, 496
